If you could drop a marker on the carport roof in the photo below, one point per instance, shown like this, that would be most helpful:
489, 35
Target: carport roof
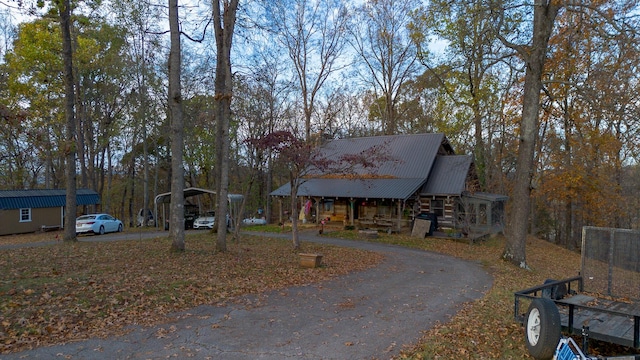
165, 198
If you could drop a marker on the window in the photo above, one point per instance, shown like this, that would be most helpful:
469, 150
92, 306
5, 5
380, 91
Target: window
328, 205
482, 214
437, 207
25, 215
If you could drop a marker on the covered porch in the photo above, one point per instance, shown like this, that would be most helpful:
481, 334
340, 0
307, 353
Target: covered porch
381, 214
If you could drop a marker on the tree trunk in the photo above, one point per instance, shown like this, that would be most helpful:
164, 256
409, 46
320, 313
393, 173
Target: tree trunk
67, 53
535, 56
269, 187
145, 163
479, 148
224, 24
176, 232
294, 214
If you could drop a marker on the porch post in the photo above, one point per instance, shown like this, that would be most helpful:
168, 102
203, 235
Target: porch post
301, 213
399, 214
351, 211
280, 214
318, 210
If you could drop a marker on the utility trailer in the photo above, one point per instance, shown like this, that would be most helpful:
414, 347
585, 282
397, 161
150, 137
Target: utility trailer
602, 302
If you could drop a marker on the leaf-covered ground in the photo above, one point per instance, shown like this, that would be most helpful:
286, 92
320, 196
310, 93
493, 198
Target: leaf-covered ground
80, 290
70, 291
485, 328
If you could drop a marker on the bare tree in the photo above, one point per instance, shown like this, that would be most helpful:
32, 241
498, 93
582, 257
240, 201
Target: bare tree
64, 9
534, 55
177, 132
224, 20
380, 37
139, 19
7, 32
313, 34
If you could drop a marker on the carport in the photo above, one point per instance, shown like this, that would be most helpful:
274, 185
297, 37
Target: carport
235, 201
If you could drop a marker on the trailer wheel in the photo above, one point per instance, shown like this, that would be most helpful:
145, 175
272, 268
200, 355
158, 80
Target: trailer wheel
556, 292
542, 328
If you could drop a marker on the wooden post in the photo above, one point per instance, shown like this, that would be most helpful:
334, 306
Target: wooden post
351, 211
317, 209
399, 215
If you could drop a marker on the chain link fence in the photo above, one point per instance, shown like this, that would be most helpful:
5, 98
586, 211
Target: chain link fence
611, 262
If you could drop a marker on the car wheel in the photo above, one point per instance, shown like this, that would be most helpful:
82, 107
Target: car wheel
542, 328
101, 230
120, 228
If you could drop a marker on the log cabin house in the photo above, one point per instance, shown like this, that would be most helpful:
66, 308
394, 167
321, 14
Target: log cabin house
421, 174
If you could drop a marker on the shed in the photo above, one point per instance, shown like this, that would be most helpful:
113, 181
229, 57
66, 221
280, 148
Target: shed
25, 211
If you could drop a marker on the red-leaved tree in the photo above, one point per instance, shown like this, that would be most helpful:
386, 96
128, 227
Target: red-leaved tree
305, 160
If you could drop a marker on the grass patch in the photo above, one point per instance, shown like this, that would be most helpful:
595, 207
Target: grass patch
269, 228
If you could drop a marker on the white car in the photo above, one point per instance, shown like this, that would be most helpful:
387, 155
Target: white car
98, 224
254, 221
204, 222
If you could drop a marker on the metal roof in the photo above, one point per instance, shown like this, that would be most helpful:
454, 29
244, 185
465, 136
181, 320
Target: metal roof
449, 175
346, 188
410, 155
411, 160
488, 196
193, 191
44, 198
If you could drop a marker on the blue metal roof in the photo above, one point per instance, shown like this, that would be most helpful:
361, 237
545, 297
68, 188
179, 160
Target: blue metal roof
46, 198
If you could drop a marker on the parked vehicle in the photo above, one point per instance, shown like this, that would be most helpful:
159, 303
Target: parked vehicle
205, 222
189, 220
145, 217
254, 221
98, 224
208, 220
601, 303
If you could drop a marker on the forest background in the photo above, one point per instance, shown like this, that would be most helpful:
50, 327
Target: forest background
328, 69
